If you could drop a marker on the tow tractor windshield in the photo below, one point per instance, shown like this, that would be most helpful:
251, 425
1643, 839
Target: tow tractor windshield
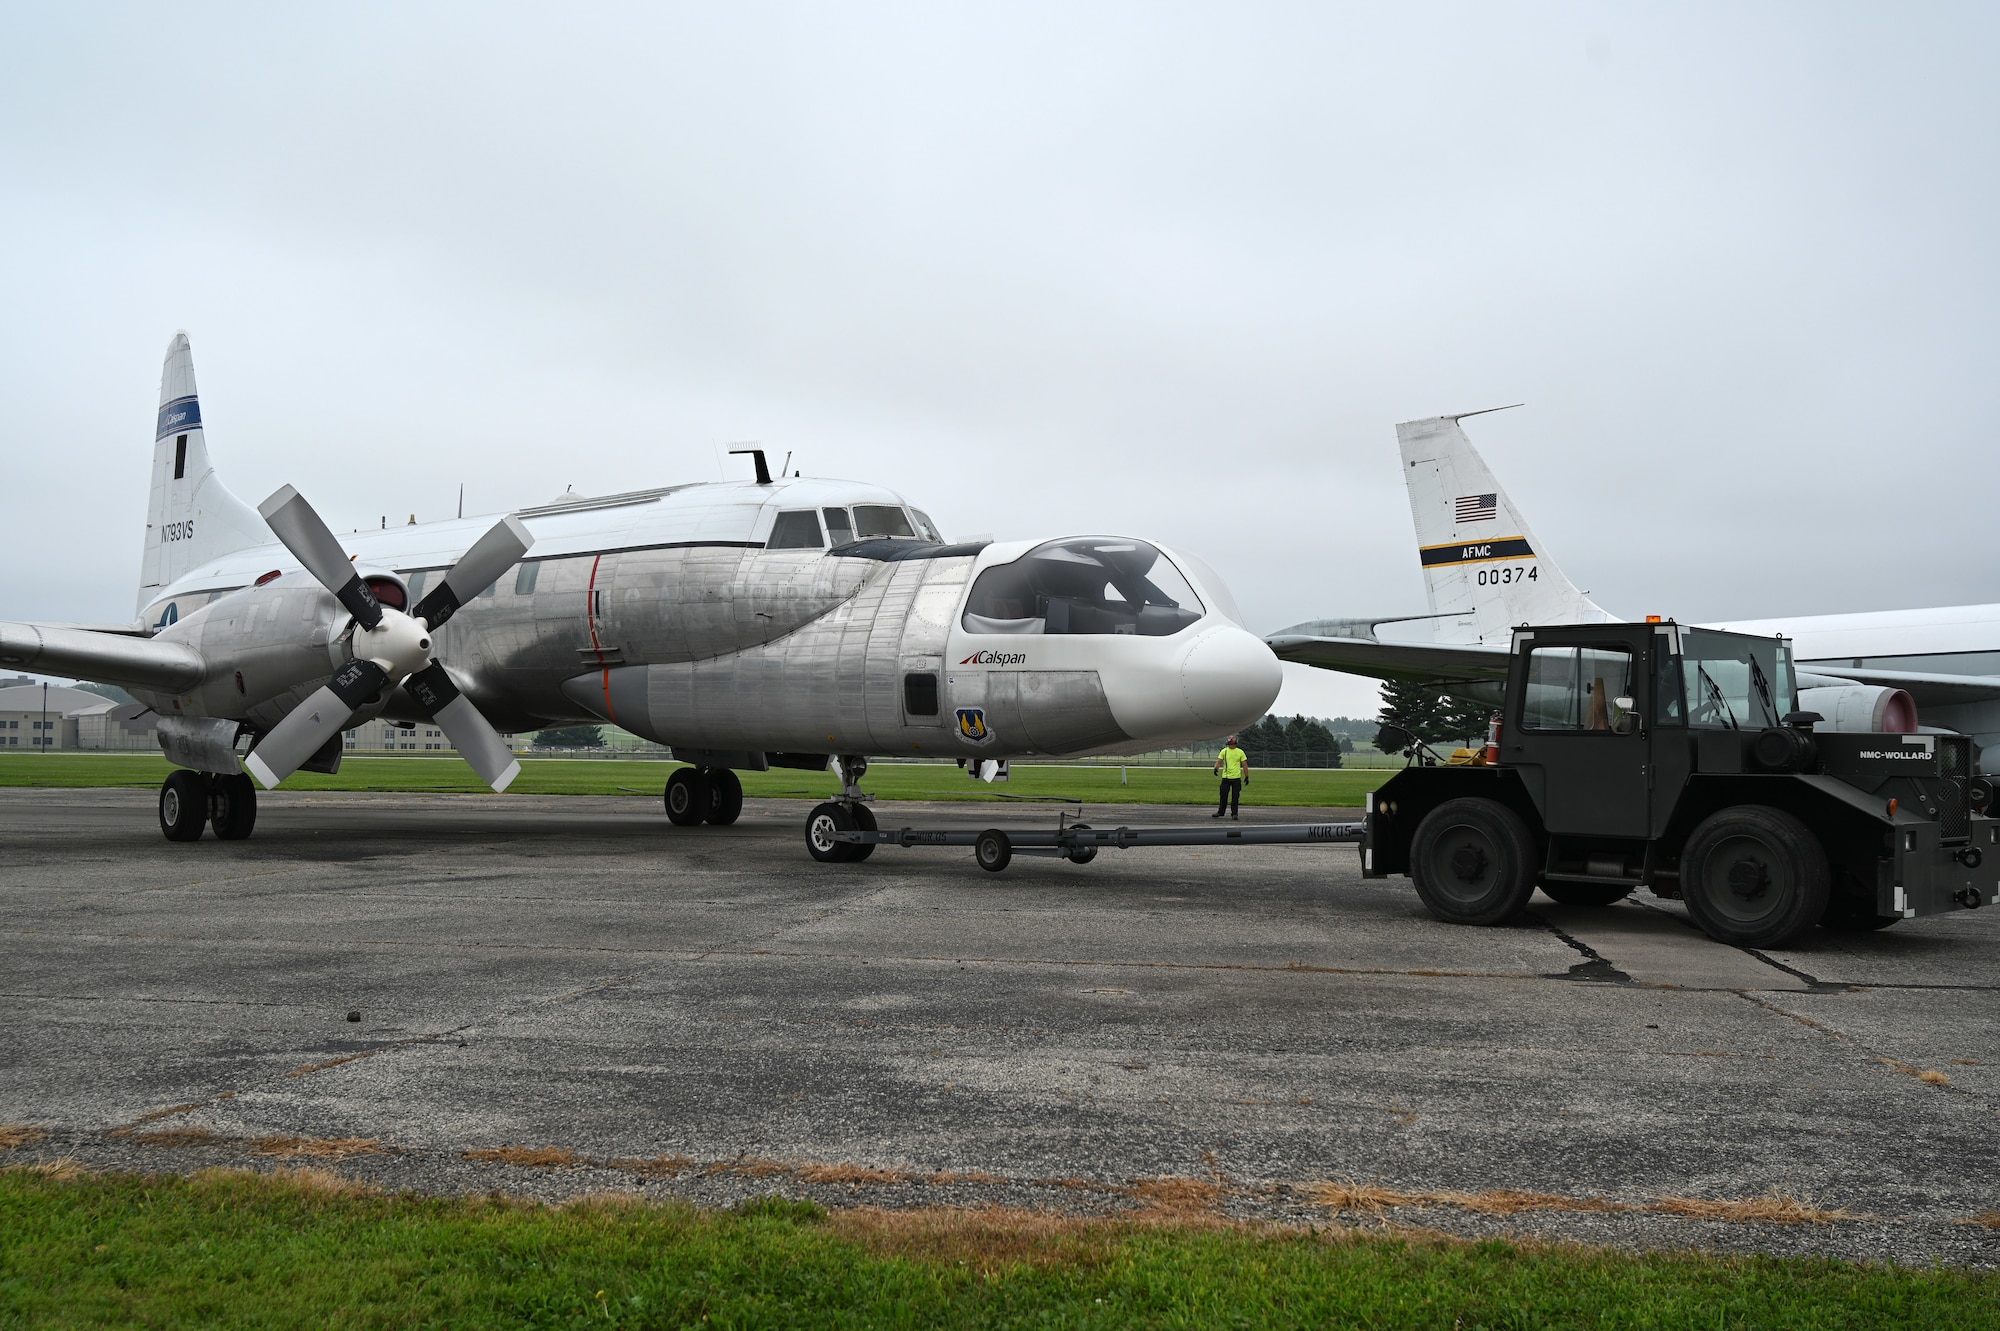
1728, 682
1083, 585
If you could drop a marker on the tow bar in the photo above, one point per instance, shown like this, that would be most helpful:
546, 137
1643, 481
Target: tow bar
1079, 843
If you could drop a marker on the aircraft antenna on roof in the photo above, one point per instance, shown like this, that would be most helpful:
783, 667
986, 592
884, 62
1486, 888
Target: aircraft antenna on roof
461, 499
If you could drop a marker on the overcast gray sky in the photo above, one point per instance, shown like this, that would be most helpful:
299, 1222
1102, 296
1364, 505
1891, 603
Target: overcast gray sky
1162, 269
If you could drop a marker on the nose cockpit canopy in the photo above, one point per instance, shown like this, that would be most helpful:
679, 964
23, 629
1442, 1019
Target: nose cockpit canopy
1084, 584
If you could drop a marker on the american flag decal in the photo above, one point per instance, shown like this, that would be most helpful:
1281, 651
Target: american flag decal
1478, 508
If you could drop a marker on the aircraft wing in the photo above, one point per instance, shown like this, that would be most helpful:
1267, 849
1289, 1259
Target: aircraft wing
102, 657
1353, 646
1926, 690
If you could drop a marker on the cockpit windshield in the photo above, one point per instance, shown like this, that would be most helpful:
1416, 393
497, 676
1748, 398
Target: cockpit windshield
1731, 682
1090, 584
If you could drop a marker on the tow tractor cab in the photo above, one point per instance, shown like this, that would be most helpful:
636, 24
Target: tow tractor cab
1655, 755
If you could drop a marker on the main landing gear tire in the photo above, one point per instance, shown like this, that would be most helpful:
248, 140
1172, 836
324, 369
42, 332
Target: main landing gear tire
993, 850
183, 805
1754, 876
689, 797
1585, 894
1473, 862
232, 806
725, 797
821, 824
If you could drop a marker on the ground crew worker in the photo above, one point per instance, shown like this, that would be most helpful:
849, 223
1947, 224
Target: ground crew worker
1234, 767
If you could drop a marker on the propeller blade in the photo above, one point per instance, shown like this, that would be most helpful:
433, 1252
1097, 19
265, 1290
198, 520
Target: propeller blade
469, 732
310, 541
313, 722
477, 569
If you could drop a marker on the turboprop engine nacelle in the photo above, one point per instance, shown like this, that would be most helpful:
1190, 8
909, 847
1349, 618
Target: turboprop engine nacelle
1863, 708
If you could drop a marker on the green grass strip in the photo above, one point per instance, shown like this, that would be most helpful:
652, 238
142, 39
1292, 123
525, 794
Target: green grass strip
1296, 788
228, 1249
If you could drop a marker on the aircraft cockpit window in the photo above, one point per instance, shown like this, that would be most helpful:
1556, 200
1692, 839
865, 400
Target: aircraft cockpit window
882, 520
1084, 585
839, 531
925, 527
796, 530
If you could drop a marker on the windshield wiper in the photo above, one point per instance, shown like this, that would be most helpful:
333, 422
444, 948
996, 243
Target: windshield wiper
1763, 691
1715, 695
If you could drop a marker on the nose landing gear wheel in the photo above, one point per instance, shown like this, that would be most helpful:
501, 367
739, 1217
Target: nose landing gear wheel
689, 797
726, 797
821, 824
232, 806
864, 820
183, 805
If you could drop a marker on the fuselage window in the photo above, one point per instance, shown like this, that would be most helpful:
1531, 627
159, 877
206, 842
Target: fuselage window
524, 581
882, 520
920, 694
1083, 585
839, 531
796, 530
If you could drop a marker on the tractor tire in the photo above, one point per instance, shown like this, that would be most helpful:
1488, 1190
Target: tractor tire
1754, 876
1473, 862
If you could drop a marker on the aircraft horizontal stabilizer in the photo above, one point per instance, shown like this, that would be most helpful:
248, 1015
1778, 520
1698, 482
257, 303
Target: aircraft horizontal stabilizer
1416, 662
102, 658
1924, 689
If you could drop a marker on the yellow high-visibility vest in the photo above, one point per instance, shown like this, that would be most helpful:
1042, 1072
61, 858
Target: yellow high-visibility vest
1232, 760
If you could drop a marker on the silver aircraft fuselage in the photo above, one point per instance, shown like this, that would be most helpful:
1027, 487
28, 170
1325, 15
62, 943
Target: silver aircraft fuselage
700, 616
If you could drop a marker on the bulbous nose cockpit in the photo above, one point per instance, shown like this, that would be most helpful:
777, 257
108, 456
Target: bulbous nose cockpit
1173, 658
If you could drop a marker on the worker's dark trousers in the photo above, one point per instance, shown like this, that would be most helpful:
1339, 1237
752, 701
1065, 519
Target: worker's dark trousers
1232, 795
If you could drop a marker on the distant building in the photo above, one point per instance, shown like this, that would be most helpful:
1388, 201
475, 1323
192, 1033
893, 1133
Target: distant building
113, 725
379, 735
32, 717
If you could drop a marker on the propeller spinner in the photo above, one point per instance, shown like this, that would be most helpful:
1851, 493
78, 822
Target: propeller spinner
389, 647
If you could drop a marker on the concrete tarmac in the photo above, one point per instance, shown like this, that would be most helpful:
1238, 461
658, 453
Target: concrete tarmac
569, 995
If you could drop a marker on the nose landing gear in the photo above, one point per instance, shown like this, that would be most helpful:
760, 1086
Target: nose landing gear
848, 813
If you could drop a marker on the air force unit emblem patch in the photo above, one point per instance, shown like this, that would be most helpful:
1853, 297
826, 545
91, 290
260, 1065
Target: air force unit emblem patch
972, 725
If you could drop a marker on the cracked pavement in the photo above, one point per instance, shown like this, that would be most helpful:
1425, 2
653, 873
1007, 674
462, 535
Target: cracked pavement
577, 974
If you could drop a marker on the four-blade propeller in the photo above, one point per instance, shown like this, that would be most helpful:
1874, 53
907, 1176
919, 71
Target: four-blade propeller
389, 648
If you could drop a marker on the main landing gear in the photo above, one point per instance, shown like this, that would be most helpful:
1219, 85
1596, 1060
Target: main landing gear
191, 802
849, 813
695, 796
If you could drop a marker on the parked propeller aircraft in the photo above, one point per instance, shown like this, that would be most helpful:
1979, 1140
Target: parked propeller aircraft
782, 621
1485, 572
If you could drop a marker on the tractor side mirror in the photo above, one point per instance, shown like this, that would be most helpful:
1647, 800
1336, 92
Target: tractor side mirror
1628, 720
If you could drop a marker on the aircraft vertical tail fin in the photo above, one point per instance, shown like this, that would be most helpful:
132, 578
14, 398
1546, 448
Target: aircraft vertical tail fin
191, 517
1484, 570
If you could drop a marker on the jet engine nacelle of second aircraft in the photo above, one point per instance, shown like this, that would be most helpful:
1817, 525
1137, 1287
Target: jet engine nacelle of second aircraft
908, 664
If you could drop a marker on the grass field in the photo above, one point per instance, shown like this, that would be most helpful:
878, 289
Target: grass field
228, 1249
604, 776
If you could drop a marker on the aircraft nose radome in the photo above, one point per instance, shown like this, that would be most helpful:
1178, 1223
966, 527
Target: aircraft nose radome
1230, 678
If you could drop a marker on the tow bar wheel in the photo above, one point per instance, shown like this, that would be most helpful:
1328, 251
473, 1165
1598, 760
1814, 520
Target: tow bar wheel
821, 824
993, 850
1473, 861
1754, 876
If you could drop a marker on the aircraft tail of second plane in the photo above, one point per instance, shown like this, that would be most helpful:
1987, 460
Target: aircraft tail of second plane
1485, 572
